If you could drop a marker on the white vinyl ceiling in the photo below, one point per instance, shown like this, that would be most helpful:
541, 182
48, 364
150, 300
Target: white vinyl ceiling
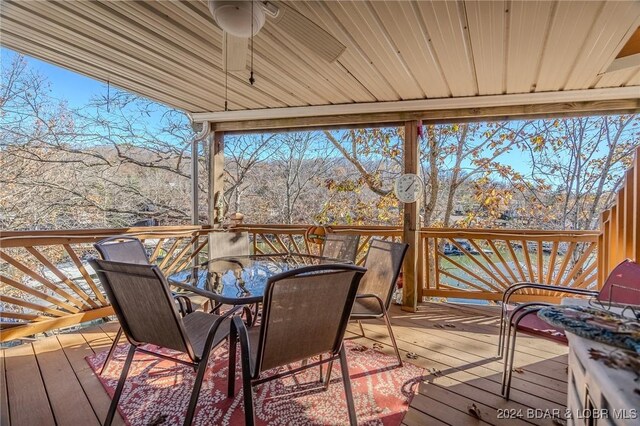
170, 51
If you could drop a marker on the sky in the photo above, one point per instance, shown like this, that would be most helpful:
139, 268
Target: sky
77, 89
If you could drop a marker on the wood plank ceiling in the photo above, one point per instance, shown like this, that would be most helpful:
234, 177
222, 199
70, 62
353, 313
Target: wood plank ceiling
170, 51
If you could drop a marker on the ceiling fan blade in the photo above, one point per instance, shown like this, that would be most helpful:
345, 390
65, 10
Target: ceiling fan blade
308, 33
234, 52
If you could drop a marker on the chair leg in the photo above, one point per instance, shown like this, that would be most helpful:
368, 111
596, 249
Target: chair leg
231, 374
361, 329
510, 351
511, 354
195, 393
249, 315
112, 349
249, 415
505, 353
247, 388
393, 338
346, 380
328, 378
501, 333
116, 395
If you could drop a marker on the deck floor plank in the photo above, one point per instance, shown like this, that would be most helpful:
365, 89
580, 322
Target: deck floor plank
418, 418
487, 328
481, 365
466, 405
444, 412
76, 348
460, 369
552, 375
28, 400
480, 381
68, 400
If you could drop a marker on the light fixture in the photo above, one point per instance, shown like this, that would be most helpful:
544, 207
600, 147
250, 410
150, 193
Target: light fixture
238, 18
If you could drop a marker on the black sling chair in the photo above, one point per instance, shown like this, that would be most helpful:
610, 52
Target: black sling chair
148, 314
304, 314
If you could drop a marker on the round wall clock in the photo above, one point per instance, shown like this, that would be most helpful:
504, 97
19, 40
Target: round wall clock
408, 188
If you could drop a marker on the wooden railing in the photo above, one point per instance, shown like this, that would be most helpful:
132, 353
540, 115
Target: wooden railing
481, 263
620, 225
47, 284
291, 238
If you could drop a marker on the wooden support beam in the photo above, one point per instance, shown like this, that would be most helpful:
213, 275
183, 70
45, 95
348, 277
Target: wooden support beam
216, 178
411, 222
444, 115
571, 102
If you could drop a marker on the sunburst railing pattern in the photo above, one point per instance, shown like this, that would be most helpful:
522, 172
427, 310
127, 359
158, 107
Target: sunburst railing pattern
47, 284
480, 264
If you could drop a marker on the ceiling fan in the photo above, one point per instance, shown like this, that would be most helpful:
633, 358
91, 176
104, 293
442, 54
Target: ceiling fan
242, 19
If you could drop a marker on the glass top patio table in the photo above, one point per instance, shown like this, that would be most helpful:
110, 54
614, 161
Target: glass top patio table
240, 280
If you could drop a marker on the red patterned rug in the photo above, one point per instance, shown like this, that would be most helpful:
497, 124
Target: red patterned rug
157, 391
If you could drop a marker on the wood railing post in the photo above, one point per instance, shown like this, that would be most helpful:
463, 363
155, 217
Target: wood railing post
216, 179
411, 225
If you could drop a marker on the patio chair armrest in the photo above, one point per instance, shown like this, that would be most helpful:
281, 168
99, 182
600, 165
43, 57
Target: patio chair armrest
184, 304
529, 307
239, 330
371, 296
526, 285
211, 333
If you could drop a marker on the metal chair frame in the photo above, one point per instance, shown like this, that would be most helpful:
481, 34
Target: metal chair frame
384, 313
251, 371
184, 304
198, 363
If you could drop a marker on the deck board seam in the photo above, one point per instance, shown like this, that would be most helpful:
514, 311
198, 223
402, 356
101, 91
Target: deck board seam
455, 368
46, 391
75, 374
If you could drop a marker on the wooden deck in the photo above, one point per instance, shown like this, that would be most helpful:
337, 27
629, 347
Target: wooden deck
49, 382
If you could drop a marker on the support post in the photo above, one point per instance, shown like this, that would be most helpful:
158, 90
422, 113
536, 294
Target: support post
195, 207
216, 179
411, 224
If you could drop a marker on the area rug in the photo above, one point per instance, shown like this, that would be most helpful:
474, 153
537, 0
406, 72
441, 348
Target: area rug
157, 391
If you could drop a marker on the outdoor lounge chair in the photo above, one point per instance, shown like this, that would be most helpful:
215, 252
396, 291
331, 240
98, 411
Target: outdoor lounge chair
621, 288
305, 314
130, 250
341, 246
383, 264
147, 313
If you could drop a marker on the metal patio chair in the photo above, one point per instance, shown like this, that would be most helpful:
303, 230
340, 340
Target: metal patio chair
621, 288
128, 249
143, 303
305, 314
383, 263
223, 244
341, 246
